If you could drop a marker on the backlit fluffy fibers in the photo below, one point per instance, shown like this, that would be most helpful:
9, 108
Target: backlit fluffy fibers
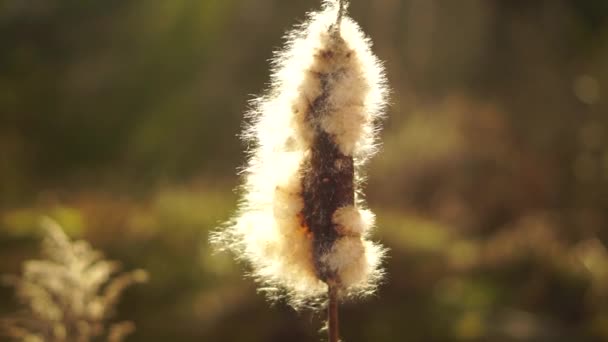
310, 133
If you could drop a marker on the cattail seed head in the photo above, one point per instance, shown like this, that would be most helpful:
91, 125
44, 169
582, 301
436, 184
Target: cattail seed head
301, 223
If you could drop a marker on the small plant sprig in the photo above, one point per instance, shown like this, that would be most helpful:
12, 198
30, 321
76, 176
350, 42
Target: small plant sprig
302, 224
70, 295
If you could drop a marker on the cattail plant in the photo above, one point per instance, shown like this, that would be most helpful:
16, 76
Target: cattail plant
70, 295
302, 224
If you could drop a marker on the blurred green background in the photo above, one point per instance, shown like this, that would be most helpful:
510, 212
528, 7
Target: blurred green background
119, 118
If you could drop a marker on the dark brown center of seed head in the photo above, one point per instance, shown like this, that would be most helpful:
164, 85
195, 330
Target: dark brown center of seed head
327, 185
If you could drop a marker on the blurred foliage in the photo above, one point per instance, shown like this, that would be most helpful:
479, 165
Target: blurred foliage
119, 120
70, 295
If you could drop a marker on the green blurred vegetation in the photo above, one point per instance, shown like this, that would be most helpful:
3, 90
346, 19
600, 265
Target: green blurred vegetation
119, 120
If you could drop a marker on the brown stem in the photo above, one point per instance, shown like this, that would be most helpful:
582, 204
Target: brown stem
340, 12
333, 332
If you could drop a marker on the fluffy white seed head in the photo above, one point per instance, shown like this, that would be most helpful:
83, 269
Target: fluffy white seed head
325, 81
